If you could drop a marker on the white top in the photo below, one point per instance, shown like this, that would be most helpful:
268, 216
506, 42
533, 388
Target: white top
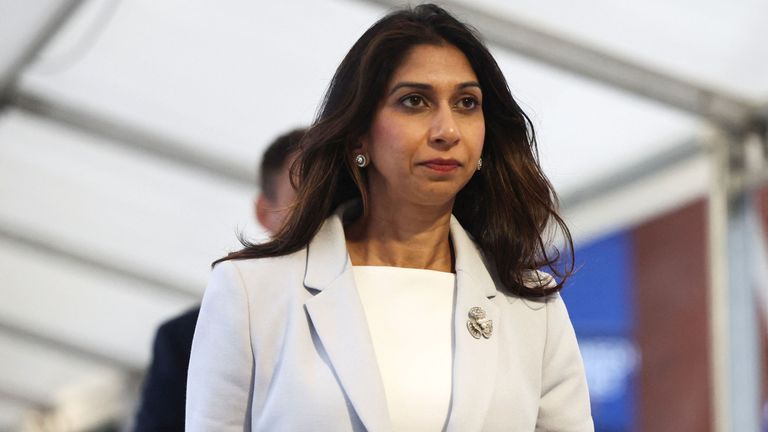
410, 317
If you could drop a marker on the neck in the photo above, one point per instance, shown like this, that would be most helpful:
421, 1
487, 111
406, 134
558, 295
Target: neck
409, 236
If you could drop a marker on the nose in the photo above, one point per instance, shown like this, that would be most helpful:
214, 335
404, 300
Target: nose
445, 131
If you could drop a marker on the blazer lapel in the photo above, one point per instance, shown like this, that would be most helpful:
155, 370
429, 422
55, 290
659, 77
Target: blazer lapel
474, 360
339, 320
338, 317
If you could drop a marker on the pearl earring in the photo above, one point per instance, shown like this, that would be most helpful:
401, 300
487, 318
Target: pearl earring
361, 160
479, 164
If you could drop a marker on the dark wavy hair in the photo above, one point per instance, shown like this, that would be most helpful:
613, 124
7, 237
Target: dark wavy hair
509, 207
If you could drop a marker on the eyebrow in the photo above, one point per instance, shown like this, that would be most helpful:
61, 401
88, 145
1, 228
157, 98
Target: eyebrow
422, 86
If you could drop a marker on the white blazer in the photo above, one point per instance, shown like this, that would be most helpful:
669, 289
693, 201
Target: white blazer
282, 344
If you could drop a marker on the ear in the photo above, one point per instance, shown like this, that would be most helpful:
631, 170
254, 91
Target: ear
262, 209
360, 145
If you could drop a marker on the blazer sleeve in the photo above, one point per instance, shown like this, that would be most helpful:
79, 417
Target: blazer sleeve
564, 404
221, 363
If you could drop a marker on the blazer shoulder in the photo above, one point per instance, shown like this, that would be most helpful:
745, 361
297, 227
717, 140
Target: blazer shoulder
269, 262
269, 273
533, 278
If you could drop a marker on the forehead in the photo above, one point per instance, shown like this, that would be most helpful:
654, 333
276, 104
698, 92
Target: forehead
434, 64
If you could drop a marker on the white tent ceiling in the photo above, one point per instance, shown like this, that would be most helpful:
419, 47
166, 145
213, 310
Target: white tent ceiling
102, 238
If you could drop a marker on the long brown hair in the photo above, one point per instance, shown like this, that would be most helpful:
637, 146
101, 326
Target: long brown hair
507, 207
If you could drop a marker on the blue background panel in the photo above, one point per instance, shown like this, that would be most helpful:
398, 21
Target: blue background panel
599, 300
599, 295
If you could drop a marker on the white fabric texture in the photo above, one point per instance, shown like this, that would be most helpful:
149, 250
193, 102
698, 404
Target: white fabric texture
282, 344
409, 313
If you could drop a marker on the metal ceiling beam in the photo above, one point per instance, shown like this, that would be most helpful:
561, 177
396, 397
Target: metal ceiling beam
18, 237
21, 238
624, 177
77, 351
734, 324
726, 110
55, 21
15, 397
135, 138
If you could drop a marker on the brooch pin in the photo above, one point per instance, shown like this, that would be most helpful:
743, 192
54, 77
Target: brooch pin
478, 325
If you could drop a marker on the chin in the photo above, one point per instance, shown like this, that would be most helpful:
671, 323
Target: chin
436, 198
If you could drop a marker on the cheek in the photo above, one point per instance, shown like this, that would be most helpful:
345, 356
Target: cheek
478, 137
385, 130
389, 146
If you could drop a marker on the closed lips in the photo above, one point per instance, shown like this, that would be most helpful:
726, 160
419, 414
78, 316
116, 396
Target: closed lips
441, 164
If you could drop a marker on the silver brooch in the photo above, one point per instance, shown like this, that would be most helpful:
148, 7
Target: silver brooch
478, 325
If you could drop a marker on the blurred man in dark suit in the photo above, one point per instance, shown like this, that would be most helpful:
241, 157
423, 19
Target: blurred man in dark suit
165, 386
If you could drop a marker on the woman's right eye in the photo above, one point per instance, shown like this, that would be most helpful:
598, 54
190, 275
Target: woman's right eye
413, 101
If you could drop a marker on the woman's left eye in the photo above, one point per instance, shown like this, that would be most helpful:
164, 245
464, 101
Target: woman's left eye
468, 103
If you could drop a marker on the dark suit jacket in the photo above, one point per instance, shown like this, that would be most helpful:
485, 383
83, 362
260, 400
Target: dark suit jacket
165, 386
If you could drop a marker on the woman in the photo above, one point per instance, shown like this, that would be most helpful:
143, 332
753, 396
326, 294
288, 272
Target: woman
399, 295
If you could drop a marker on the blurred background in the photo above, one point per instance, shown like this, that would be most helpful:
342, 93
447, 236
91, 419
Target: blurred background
130, 132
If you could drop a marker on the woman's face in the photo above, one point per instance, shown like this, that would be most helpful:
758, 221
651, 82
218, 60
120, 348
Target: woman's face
428, 131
